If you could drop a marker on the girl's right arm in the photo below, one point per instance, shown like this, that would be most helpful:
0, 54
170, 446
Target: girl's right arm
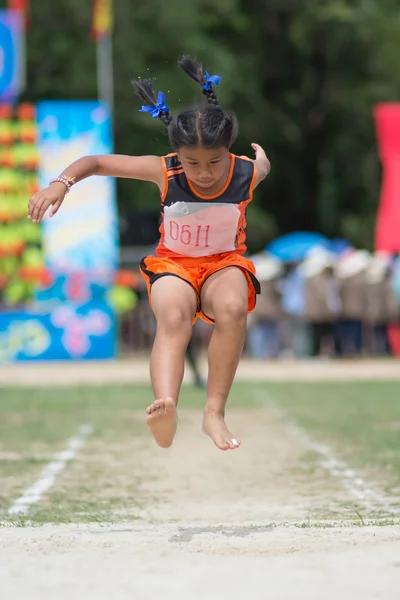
145, 168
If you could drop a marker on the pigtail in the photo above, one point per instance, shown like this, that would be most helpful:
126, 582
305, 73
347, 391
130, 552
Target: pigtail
157, 109
195, 70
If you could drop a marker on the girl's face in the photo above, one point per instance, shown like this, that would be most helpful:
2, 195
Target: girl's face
204, 167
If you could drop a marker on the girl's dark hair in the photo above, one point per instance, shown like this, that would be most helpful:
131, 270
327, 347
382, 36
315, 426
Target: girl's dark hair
204, 126
144, 89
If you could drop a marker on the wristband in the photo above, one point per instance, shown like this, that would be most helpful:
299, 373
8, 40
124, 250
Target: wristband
67, 181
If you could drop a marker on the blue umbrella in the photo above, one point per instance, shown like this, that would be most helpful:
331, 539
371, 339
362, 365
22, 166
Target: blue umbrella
294, 247
339, 246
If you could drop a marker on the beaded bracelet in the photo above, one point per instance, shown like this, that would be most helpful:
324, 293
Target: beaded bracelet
67, 181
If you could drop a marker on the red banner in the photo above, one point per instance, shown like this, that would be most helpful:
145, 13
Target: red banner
20, 5
387, 121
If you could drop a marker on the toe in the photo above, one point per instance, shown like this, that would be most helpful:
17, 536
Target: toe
233, 444
222, 445
156, 406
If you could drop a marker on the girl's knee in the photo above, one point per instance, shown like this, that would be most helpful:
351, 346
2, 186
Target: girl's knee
175, 318
231, 310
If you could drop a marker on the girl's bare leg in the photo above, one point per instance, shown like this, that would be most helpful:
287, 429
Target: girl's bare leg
174, 305
224, 298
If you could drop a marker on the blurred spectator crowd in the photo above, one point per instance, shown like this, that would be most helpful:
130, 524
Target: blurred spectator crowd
326, 305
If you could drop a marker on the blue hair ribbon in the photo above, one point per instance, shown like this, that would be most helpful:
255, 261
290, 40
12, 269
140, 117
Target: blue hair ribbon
209, 80
158, 108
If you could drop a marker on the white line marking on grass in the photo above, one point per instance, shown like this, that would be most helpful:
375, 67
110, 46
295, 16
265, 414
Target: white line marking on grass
47, 477
348, 478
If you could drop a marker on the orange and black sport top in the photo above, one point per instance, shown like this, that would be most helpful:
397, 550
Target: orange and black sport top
194, 225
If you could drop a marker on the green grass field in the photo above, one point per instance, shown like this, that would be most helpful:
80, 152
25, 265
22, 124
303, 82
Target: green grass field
360, 422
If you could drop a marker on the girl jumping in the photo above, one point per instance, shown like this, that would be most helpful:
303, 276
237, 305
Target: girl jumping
198, 270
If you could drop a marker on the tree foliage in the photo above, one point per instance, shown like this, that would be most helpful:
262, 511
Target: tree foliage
302, 76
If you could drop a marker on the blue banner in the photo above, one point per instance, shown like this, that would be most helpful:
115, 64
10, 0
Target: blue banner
68, 332
83, 235
77, 287
11, 39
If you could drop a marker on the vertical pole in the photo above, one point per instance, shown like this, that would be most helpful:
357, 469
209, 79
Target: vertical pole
105, 70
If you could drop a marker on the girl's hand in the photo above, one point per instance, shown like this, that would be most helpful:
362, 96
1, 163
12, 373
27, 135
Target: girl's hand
51, 196
258, 150
262, 163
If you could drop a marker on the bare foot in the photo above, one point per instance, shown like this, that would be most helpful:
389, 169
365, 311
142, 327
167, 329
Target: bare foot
215, 427
162, 421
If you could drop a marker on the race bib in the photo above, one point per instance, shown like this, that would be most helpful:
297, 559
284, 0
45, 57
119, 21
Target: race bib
200, 228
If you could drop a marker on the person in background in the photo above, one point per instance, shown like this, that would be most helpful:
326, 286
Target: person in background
395, 280
382, 309
394, 330
263, 336
192, 352
322, 300
351, 272
296, 334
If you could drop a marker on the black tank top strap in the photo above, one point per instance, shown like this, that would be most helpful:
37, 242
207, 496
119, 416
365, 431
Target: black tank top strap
242, 179
172, 163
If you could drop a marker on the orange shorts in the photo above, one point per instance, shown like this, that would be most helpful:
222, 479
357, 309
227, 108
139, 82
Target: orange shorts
196, 271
